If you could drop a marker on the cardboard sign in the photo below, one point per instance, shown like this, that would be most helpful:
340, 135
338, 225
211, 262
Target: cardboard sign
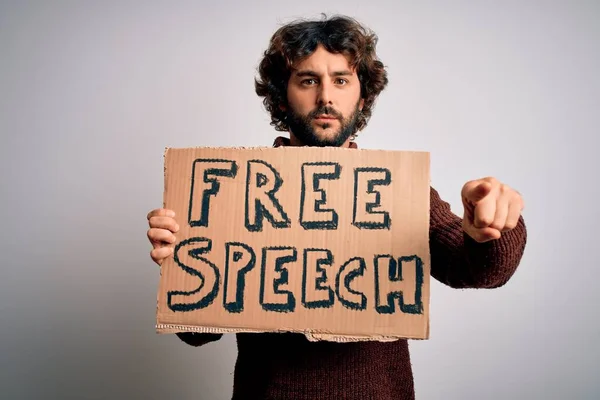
329, 242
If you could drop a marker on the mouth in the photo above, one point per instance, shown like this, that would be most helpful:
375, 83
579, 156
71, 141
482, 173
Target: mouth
325, 118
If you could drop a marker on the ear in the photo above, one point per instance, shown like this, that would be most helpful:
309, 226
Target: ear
361, 103
282, 107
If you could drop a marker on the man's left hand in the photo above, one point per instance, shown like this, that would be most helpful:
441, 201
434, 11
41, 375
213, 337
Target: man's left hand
491, 208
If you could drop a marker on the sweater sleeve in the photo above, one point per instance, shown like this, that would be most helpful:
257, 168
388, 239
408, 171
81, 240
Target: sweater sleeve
198, 339
457, 260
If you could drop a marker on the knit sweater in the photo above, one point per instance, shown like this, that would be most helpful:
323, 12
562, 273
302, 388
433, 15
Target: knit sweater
286, 366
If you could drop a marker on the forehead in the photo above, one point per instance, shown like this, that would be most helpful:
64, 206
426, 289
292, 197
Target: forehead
323, 61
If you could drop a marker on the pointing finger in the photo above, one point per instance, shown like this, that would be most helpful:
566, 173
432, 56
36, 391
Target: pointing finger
477, 192
484, 212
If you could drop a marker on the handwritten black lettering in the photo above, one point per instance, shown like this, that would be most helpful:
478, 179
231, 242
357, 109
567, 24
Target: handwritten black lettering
262, 183
205, 173
349, 297
312, 215
201, 268
316, 293
274, 260
239, 259
388, 273
380, 219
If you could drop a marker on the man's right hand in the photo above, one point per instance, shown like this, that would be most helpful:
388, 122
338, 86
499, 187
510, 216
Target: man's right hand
161, 233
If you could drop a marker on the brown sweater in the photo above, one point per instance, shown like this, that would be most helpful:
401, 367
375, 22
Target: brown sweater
366, 370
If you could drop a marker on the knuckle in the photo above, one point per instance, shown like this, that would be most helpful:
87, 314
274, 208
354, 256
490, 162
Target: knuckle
160, 212
510, 225
163, 234
485, 220
497, 225
167, 223
159, 254
157, 234
468, 187
156, 219
170, 223
153, 213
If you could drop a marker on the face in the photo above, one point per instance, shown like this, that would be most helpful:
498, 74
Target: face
323, 100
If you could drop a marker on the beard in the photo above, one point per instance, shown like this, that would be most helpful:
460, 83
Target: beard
301, 126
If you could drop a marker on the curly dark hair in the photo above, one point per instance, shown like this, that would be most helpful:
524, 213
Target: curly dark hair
295, 41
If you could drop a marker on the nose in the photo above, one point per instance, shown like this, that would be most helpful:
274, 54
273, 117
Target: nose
324, 97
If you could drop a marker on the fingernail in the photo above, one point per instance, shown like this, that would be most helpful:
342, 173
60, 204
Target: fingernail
171, 214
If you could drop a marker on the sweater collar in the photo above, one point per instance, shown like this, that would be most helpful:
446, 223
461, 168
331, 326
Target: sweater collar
282, 141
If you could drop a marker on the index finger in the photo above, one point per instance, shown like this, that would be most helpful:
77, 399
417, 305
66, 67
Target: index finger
161, 212
477, 191
484, 212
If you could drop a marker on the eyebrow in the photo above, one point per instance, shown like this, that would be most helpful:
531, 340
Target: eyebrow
307, 72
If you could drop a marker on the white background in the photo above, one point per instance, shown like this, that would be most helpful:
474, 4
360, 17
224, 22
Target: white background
92, 92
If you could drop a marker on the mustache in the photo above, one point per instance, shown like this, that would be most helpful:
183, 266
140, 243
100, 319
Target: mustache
325, 110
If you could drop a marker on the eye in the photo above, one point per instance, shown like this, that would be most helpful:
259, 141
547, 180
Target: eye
309, 81
341, 81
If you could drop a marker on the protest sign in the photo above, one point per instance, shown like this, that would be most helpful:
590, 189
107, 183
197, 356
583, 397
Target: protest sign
329, 242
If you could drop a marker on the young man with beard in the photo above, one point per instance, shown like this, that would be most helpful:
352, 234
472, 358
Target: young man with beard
319, 81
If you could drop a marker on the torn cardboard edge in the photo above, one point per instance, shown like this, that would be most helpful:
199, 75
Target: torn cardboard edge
311, 336
290, 148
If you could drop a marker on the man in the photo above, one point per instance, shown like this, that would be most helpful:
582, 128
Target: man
319, 81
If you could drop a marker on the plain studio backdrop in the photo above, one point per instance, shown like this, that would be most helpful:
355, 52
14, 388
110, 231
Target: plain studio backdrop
92, 92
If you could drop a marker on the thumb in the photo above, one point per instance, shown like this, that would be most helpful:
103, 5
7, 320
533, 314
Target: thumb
478, 192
